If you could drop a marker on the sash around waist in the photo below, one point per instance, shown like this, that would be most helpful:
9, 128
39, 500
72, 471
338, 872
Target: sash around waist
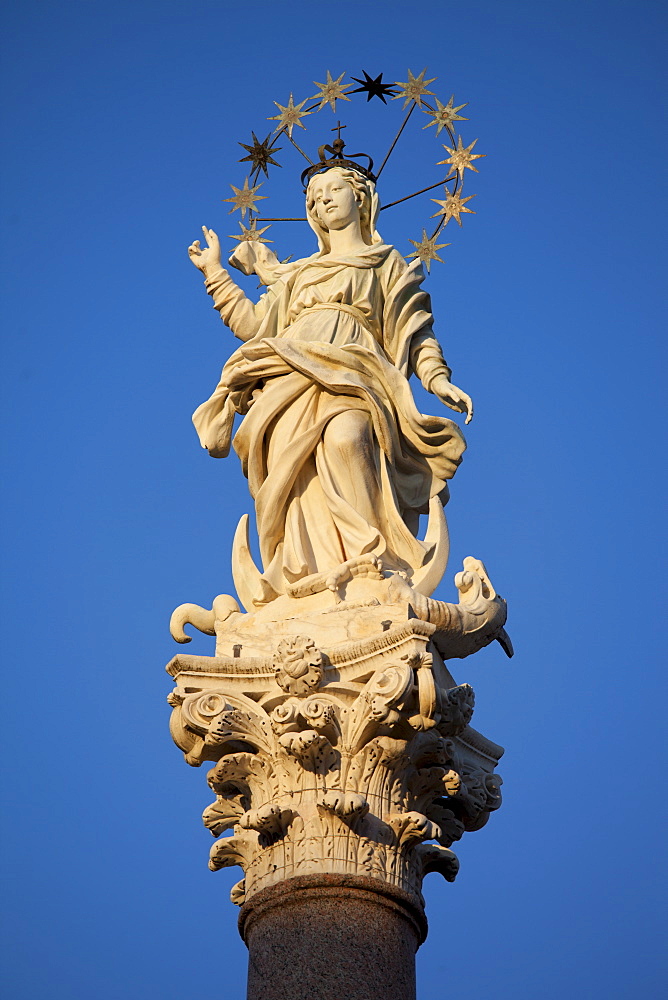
353, 311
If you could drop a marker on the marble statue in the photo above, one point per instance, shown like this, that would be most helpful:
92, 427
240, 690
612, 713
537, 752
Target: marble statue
339, 460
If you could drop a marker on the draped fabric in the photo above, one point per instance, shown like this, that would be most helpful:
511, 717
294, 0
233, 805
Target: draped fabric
335, 340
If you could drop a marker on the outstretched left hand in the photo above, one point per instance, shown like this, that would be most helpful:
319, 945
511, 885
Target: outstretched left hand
452, 396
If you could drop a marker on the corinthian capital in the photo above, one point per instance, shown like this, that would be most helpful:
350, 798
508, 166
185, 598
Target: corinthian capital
357, 759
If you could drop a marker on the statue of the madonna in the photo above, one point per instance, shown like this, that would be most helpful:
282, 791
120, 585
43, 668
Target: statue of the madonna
340, 462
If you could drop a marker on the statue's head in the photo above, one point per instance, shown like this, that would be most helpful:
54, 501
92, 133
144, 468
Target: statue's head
336, 197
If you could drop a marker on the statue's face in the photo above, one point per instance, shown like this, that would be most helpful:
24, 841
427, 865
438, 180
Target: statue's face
334, 200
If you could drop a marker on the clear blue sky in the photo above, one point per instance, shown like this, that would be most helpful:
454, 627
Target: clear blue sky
121, 123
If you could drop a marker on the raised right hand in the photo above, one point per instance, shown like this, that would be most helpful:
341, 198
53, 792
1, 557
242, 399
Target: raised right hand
206, 258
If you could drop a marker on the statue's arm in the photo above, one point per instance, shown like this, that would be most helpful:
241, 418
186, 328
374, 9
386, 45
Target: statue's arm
428, 363
235, 308
426, 358
407, 305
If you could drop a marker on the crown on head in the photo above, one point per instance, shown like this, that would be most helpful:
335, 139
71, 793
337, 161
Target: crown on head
337, 159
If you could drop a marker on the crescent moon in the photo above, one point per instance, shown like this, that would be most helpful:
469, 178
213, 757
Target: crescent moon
245, 573
437, 539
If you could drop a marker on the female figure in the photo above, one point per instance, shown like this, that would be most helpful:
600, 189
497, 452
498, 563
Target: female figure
340, 463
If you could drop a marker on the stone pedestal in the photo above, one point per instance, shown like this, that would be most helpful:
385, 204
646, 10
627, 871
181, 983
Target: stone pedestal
334, 937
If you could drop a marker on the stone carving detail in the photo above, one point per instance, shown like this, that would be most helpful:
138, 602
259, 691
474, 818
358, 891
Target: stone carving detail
361, 761
298, 665
461, 629
464, 628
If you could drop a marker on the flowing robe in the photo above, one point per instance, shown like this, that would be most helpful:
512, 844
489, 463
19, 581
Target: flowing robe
333, 335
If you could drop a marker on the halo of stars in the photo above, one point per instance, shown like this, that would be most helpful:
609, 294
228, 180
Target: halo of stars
414, 92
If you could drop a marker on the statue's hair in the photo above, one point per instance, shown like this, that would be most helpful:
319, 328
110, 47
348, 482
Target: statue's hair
364, 191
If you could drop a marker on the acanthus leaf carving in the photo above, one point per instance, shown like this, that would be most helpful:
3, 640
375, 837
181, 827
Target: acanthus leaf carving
238, 893
412, 828
348, 806
434, 858
451, 827
222, 814
230, 851
270, 821
314, 751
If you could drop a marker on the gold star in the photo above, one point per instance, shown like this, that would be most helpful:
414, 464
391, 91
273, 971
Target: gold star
414, 89
461, 157
244, 198
445, 114
331, 92
289, 116
426, 249
251, 233
452, 206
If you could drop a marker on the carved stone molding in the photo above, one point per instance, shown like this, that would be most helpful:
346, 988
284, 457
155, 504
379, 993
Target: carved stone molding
354, 760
